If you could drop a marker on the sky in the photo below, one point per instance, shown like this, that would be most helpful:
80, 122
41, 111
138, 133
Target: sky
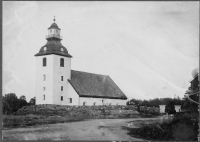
149, 49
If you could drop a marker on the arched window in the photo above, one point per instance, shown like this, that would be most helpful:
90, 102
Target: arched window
61, 78
61, 88
61, 62
44, 62
61, 98
43, 97
44, 88
84, 103
94, 103
44, 77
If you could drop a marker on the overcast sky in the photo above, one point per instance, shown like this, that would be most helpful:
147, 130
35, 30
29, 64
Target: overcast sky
149, 49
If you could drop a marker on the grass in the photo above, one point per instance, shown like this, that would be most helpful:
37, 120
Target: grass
30, 120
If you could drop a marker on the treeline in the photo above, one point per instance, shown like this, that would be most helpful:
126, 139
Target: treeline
156, 102
11, 103
169, 102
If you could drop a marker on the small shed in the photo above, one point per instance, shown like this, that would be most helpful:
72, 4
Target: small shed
177, 108
162, 108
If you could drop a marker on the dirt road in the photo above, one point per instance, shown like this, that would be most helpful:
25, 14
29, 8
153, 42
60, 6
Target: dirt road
95, 129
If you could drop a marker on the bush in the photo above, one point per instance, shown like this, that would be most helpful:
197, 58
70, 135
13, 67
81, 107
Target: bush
165, 129
184, 132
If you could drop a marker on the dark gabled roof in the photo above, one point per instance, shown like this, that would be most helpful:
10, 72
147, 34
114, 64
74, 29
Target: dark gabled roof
54, 26
95, 85
53, 47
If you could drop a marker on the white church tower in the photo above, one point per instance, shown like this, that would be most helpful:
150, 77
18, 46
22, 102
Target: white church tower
53, 69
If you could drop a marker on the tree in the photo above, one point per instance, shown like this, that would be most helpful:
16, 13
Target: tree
22, 101
32, 101
10, 103
155, 102
146, 103
6, 106
137, 102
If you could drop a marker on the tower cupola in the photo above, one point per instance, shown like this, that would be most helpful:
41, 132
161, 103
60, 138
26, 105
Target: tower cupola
54, 31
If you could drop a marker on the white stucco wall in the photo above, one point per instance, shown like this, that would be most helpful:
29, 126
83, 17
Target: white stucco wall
57, 73
53, 82
48, 83
72, 94
98, 101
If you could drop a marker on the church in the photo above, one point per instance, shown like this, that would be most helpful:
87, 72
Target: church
57, 84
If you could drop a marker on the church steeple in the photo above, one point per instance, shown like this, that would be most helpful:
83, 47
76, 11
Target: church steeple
53, 45
53, 70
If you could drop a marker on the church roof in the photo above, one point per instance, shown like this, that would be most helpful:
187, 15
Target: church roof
53, 47
54, 26
95, 85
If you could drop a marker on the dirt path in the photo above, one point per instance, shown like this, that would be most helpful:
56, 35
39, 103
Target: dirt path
96, 129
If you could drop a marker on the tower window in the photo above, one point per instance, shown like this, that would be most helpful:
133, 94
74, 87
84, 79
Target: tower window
61, 62
94, 103
43, 97
70, 100
84, 103
44, 62
61, 88
61, 98
44, 88
44, 77
61, 78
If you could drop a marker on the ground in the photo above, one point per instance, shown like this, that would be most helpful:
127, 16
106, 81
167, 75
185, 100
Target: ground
93, 129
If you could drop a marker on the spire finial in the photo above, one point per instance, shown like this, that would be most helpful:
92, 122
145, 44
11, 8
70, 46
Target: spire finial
54, 19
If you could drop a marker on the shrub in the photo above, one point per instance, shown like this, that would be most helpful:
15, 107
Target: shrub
166, 129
